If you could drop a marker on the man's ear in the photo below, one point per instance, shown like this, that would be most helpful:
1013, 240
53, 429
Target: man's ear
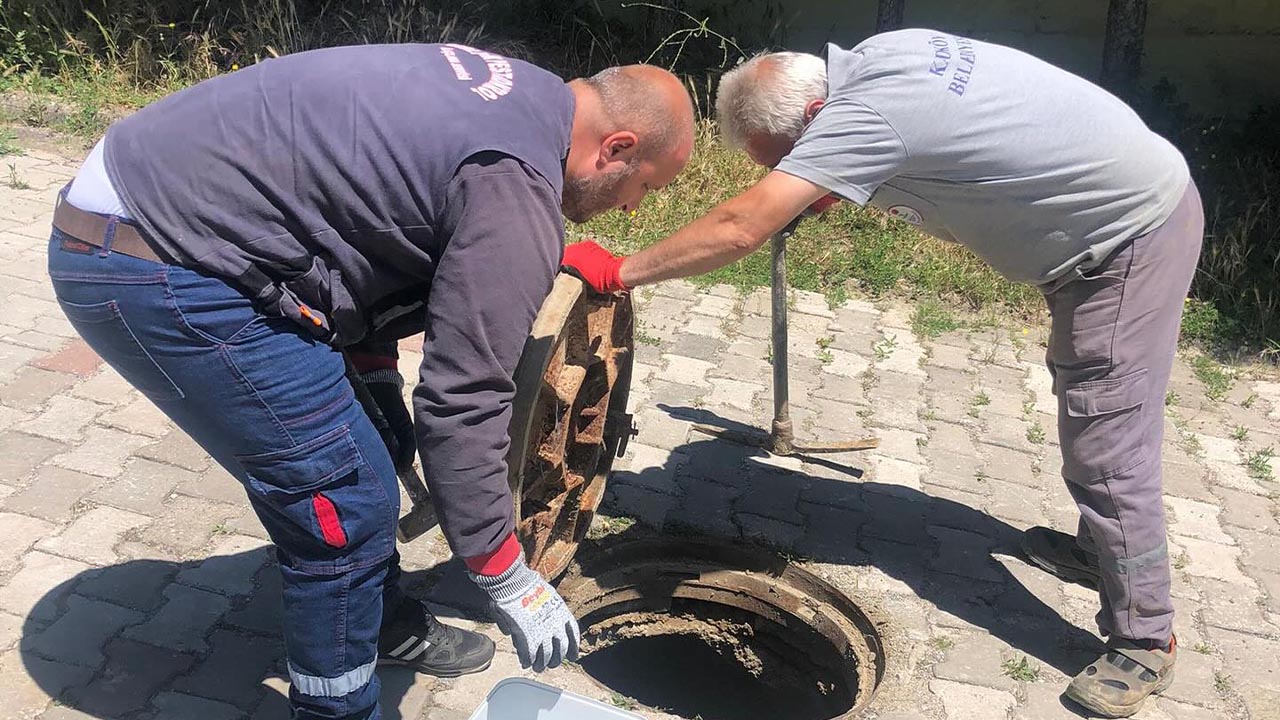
618, 146
811, 110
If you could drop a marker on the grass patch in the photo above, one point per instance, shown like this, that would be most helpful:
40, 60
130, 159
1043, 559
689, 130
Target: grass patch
1203, 325
8, 144
824, 354
884, 348
931, 319
1203, 648
1239, 433
14, 181
1258, 464
1217, 379
605, 526
1035, 434
1191, 443
1021, 669
642, 336
942, 642
622, 701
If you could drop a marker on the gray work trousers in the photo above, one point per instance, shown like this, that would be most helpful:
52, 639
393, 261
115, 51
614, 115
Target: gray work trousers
1111, 348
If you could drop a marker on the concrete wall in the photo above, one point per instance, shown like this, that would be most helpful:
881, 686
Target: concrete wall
1222, 55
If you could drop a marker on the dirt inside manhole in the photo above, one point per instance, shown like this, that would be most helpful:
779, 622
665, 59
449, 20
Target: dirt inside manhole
721, 633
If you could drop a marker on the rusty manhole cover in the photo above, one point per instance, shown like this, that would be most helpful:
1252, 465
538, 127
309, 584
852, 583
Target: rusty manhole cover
721, 632
569, 418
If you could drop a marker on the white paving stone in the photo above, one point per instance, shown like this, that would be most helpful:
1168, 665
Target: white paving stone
900, 473
1040, 383
1195, 519
1269, 391
1221, 456
713, 305
685, 370
734, 393
845, 363
704, 325
970, 702
1212, 560
904, 358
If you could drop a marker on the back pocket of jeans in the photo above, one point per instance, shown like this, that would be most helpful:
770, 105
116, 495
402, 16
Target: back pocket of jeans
104, 328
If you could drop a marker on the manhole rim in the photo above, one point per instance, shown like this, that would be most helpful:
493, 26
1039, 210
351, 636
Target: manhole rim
605, 560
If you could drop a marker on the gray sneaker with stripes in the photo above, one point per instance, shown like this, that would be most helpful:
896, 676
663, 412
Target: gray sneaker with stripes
413, 637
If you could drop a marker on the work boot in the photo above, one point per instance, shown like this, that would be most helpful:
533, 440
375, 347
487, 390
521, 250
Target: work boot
1118, 683
1058, 553
413, 637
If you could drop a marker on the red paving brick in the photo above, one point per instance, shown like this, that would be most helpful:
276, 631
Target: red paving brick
75, 358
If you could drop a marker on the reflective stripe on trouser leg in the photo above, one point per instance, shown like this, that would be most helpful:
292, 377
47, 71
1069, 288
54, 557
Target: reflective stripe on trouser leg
331, 627
344, 684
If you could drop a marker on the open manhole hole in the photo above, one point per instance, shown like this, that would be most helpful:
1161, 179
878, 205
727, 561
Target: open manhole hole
721, 633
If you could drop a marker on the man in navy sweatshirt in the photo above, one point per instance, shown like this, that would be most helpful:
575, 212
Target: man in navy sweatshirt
223, 247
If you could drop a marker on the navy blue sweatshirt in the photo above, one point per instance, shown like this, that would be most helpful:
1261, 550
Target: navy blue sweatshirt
370, 193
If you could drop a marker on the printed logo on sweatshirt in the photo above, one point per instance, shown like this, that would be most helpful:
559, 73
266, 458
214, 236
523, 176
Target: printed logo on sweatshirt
501, 77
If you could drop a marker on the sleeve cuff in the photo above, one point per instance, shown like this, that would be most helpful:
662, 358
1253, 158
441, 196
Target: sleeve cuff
368, 362
497, 561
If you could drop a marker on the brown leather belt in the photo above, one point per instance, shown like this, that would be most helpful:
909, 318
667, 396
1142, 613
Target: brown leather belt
92, 228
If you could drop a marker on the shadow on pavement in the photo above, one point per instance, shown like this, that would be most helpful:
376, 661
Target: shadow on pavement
941, 549
133, 640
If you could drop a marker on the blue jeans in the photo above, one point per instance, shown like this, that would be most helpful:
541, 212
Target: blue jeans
273, 407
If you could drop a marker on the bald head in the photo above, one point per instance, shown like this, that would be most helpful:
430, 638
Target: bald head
648, 101
632, 134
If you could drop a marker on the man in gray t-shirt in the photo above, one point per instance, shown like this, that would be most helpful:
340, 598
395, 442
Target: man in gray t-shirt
1052, 181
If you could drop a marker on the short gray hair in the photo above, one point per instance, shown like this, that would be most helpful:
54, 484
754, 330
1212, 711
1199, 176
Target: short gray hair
767, 95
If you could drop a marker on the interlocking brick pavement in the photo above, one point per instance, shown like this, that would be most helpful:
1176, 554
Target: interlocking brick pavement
135, 581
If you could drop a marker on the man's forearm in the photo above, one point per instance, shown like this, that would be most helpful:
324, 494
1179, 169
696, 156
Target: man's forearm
731, 231
712, 241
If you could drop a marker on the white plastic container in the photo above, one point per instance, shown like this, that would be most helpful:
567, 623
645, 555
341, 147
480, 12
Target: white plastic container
521, 699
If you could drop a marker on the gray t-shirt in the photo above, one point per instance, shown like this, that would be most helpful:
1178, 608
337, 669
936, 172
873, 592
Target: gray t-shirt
1039, 172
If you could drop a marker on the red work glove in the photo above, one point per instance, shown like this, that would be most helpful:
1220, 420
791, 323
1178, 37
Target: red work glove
598, 268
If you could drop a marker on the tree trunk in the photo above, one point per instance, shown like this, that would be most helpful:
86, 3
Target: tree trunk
1122, 46
889, 15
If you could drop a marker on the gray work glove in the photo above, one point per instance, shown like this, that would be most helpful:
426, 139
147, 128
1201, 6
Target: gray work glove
530, 610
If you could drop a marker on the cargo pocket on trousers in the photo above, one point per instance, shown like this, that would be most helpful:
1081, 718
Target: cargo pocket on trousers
1104, 427
323, 506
